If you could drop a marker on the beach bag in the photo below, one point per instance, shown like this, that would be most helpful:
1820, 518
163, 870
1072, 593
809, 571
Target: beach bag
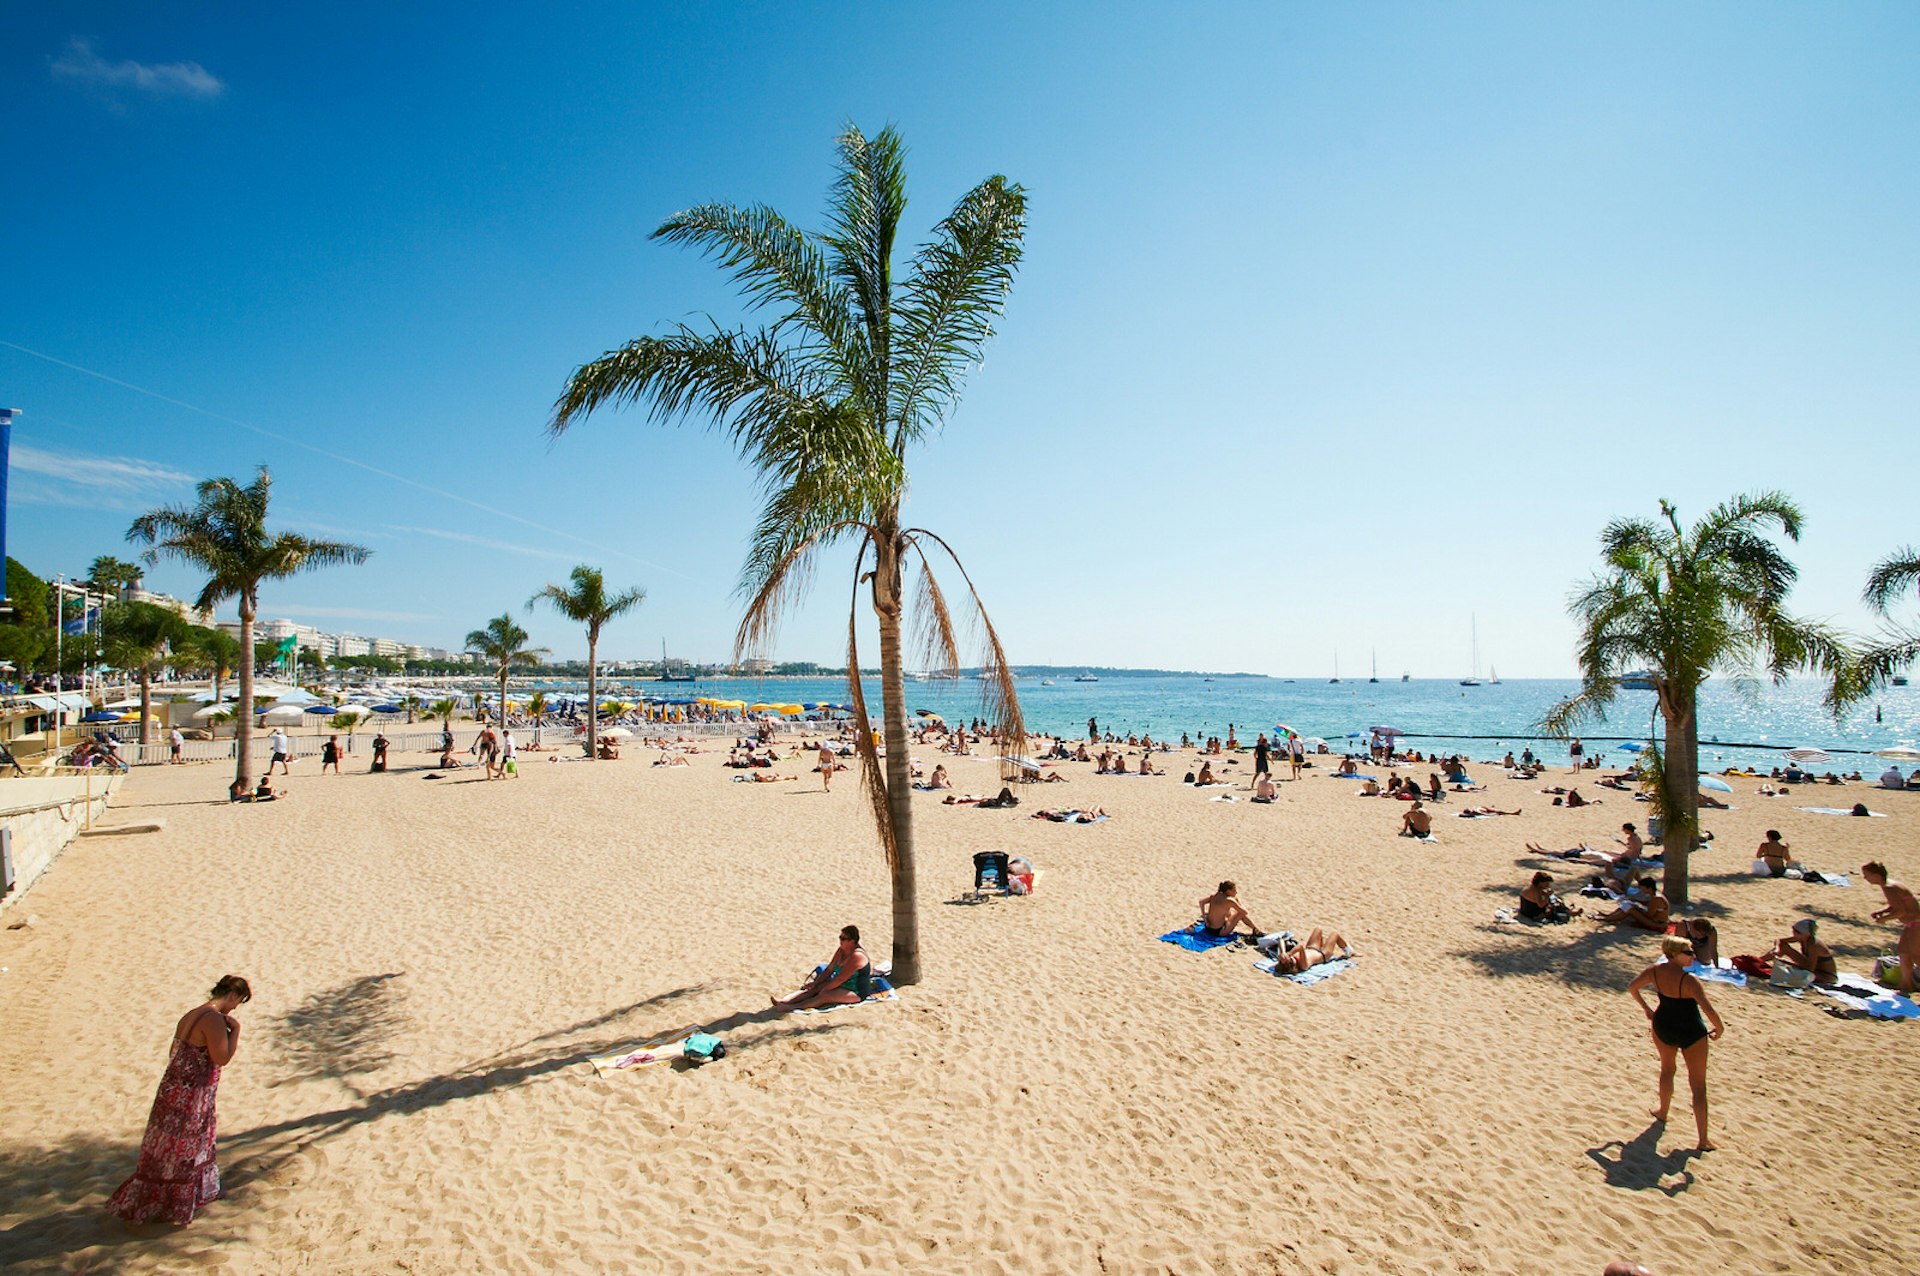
703, 1047
1790, 977
1752, 967
1760, 869
512, 767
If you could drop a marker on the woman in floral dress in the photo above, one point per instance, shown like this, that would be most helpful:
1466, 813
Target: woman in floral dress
177, 1174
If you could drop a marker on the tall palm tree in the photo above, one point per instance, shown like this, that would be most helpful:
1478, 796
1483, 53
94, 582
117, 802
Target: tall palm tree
1684, 603
588, 603
1898, 646
824, 401
223, 654
224, 533
504, 645
138, 638
109, 575
537, 710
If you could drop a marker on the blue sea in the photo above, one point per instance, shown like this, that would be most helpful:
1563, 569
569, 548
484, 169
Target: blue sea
1737, 726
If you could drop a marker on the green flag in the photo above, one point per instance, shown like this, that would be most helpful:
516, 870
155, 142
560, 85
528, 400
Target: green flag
288, 645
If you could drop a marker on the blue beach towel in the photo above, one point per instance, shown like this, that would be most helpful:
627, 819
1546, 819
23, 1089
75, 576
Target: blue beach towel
1325, 970
1718, 975
1195, 940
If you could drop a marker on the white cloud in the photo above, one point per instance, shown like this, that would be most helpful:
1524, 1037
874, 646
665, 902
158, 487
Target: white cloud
93, 482
81, 65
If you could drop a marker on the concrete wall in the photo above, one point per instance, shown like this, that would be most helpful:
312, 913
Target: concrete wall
44, 816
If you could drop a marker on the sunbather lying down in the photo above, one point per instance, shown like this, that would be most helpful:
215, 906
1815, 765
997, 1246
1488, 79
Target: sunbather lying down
1070, 816
1319, 949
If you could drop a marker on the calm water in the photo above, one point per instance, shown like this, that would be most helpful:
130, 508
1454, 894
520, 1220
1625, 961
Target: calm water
1774, 718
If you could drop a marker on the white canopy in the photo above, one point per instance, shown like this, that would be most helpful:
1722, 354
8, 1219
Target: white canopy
284, 713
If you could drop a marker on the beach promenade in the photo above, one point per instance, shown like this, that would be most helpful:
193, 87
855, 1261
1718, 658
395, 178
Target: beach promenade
435, 961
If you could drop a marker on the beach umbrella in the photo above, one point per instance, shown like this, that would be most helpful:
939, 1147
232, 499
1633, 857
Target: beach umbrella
101, 715
354, 711
1025, 764
325, 709
1808, 755
1312, 742
1899, 753
283, 713
1717, 785
211, 711
389, 708
1634, 746
616, 733
1388, 731
296, 696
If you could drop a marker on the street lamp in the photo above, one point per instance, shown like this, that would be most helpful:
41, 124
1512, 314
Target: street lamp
6, 446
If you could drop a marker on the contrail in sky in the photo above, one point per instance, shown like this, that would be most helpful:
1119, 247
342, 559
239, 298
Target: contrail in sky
347, 460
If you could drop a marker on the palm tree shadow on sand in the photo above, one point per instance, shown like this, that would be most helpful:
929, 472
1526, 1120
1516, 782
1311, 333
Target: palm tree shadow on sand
53, 1228
1638, 1165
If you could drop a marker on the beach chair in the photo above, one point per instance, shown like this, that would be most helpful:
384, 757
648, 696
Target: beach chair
989, 873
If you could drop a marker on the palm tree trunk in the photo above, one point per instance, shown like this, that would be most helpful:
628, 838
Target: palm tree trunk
503, 697
243, 713
146, 699
1681, 775
593, 699
893, 713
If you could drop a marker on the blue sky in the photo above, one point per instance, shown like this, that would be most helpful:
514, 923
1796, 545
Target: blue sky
1338, 325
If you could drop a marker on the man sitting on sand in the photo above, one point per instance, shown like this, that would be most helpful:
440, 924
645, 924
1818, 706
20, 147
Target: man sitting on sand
1206, 776
1651, 915
1903, 911
1347, 767
1263, 788
1417, 822
1221, 914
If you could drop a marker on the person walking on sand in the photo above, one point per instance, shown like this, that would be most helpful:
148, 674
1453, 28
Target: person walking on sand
509, 755
1296, 754
1574, 751
1677, 1030
825, 763
1261, 755
175, 742
177, 1174
330, 755
1903, 911
281, 750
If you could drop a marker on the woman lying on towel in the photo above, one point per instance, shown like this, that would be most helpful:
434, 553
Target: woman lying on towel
844, 978
1319, 949
1070, 816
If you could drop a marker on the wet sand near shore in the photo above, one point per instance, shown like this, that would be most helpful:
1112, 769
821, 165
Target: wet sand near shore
434, 962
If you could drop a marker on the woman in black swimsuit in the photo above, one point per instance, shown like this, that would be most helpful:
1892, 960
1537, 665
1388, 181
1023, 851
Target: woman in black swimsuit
1677, 1027
843, 979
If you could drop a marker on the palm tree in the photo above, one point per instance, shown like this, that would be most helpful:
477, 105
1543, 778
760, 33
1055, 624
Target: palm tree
223, 654
225, 535
444, 709
411, 703
1897, 647
504, 644
588, 603
537, 710
138, 638
824, 402
109, 575
1685, 603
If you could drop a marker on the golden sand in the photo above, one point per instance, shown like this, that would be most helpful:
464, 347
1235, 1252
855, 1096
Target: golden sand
435, 961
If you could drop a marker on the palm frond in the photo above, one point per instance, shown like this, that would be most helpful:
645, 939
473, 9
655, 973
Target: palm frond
958, 287
779, 569
873, 781
934, 639
1890, 577
775, 265
864, 210
738, 381
1001, 696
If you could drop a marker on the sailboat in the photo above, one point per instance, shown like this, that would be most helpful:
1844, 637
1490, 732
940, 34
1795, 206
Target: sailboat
1376, 668
1493, 676
1474, 681
1336, 669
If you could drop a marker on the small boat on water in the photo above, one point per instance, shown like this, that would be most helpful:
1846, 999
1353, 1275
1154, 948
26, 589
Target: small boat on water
1086, 677
1046, 682
1635, 680
1473, 680
1900, 680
